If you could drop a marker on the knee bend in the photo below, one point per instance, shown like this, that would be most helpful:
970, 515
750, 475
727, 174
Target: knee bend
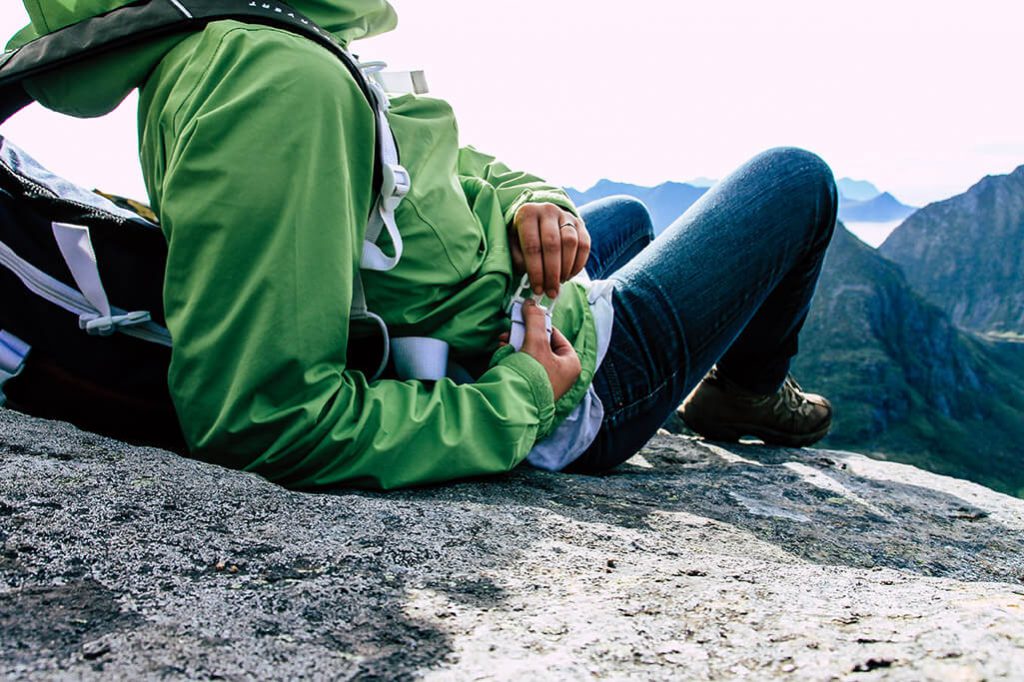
634, 213
812, 170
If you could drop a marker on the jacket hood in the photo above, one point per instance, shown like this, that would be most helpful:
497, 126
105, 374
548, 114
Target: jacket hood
96, 87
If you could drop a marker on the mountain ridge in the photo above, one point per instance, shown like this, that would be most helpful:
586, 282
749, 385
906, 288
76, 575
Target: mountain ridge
882, 208
965, 254
665, 202
670, 199
904, 378
857, 190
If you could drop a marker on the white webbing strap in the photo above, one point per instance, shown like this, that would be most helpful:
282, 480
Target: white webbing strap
75, 244
395, 184
70, 299
394, 187
13, 352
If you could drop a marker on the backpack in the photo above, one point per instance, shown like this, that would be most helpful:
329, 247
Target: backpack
82, 327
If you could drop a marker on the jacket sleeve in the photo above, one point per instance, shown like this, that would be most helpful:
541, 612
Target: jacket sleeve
514, 188
262, 171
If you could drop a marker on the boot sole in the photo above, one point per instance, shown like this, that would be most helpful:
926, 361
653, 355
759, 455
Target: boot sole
732, 433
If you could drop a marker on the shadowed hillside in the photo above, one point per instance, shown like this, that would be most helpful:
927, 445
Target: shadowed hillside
905, 380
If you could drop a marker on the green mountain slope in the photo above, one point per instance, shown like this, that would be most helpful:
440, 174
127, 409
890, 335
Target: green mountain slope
905, 380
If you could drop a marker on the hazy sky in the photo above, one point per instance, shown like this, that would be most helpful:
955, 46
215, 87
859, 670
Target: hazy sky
922, 97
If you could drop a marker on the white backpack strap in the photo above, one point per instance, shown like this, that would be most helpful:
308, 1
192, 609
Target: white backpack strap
75, 244
13, 352
395, 184
394, 187
72, 300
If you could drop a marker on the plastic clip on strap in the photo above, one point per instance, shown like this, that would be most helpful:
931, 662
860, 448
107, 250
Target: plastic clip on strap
75, 245
523, 293
13, 352
398, 82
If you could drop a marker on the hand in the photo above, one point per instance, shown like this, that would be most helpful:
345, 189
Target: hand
549, 244
557, 356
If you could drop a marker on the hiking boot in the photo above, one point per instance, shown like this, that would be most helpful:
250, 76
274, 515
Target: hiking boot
719, 409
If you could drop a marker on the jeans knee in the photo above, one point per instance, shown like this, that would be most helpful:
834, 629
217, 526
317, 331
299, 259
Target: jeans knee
634, 213
815, 175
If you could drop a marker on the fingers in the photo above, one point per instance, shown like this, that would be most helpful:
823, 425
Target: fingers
582, 249
535, 340
550, 245
533, 253
560, 345
551, 241
570, 245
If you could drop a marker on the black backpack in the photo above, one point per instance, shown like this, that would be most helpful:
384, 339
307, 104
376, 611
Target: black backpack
98, 359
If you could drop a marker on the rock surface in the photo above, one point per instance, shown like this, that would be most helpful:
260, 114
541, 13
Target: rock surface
692, 561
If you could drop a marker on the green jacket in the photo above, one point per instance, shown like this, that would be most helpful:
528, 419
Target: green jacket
258, 154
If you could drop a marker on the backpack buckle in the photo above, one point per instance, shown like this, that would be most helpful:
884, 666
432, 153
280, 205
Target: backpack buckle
524, 292
395, 184
105, 325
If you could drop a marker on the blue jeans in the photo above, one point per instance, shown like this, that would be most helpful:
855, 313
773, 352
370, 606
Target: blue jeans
730, 282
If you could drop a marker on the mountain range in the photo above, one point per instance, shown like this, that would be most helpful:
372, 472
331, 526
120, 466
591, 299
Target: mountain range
904, 379
882, 208
920, 344
966, 255
666, 202
669, 200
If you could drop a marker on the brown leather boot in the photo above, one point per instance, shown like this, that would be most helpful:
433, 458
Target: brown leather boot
719, 409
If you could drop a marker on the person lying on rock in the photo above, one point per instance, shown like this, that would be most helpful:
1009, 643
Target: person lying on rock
258, 151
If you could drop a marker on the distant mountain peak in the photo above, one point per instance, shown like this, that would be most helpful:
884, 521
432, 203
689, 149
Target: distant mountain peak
702, 182
857, 190
666, 202
887, 198
882, 208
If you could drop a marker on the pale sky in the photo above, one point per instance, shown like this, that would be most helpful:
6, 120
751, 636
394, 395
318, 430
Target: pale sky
922, 97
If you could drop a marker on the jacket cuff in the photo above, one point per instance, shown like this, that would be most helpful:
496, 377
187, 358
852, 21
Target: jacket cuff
540, 387
540, 196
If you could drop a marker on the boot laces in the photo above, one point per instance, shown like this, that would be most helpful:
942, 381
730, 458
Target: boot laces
792, 396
